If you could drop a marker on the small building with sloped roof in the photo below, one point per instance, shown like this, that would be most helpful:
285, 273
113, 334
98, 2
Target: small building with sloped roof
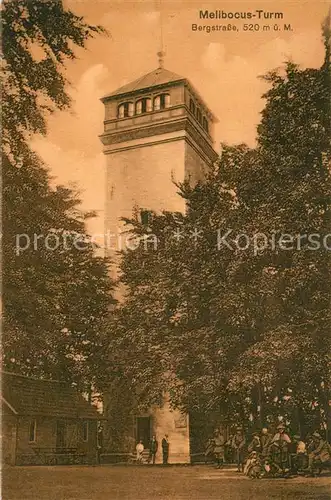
46, 422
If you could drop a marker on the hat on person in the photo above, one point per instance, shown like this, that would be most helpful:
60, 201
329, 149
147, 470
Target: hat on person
317, 435
297, 437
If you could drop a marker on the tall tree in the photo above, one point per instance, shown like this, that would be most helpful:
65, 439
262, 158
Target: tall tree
242, 325
293, 203
57, 292
37, 38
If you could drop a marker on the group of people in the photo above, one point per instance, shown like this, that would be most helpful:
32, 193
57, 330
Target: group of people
270, 454
153, 448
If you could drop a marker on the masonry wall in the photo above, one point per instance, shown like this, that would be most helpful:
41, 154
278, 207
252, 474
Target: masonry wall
46, 436
143, 176
195, 166
89, 446
120, 432
176, 426
9, 426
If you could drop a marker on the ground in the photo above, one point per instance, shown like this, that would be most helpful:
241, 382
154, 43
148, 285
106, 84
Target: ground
152, 483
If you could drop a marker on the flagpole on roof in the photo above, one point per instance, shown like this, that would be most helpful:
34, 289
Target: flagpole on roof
161, 52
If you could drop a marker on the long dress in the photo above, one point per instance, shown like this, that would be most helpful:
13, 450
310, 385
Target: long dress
139, 450
279, 450
219, 446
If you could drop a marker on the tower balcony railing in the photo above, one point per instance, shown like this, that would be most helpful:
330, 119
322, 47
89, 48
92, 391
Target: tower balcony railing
116, 125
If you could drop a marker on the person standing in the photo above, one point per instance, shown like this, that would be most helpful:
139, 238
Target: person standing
255, 444
266, 439
219, 447
281, 435
153, 446
229, 451
238, 445
280, 446
209, 451
165, 449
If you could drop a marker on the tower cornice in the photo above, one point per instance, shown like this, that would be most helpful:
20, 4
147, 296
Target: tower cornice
185, 123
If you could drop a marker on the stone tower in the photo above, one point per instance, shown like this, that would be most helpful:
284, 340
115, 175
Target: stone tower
157, 130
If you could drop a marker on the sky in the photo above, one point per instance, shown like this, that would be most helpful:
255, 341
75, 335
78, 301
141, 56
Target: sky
224, 66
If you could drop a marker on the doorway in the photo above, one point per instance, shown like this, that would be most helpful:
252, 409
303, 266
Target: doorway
144, 430
60, 434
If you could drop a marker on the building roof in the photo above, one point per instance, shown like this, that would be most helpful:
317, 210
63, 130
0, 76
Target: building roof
155, 78
159, 76
39, 397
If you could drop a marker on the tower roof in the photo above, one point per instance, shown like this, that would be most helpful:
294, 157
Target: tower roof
159, 76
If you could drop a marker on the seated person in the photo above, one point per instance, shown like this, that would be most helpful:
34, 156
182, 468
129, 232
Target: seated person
319, 454
270, 468
139, 450
252, 466
297, 452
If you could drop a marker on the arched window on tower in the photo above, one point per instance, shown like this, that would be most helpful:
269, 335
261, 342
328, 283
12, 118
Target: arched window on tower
125, 109
205, 123
131, 109
199, 115
192, 106
144, 105
148, 105
157, 103
139, 107
161, 101
121, 111
166, 100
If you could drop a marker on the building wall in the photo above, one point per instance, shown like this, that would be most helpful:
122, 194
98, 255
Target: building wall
120, 434
176, 426
141, 174
45, 434
90, 445
8, 431
46, 431
143, 177
195, 166
188, 95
